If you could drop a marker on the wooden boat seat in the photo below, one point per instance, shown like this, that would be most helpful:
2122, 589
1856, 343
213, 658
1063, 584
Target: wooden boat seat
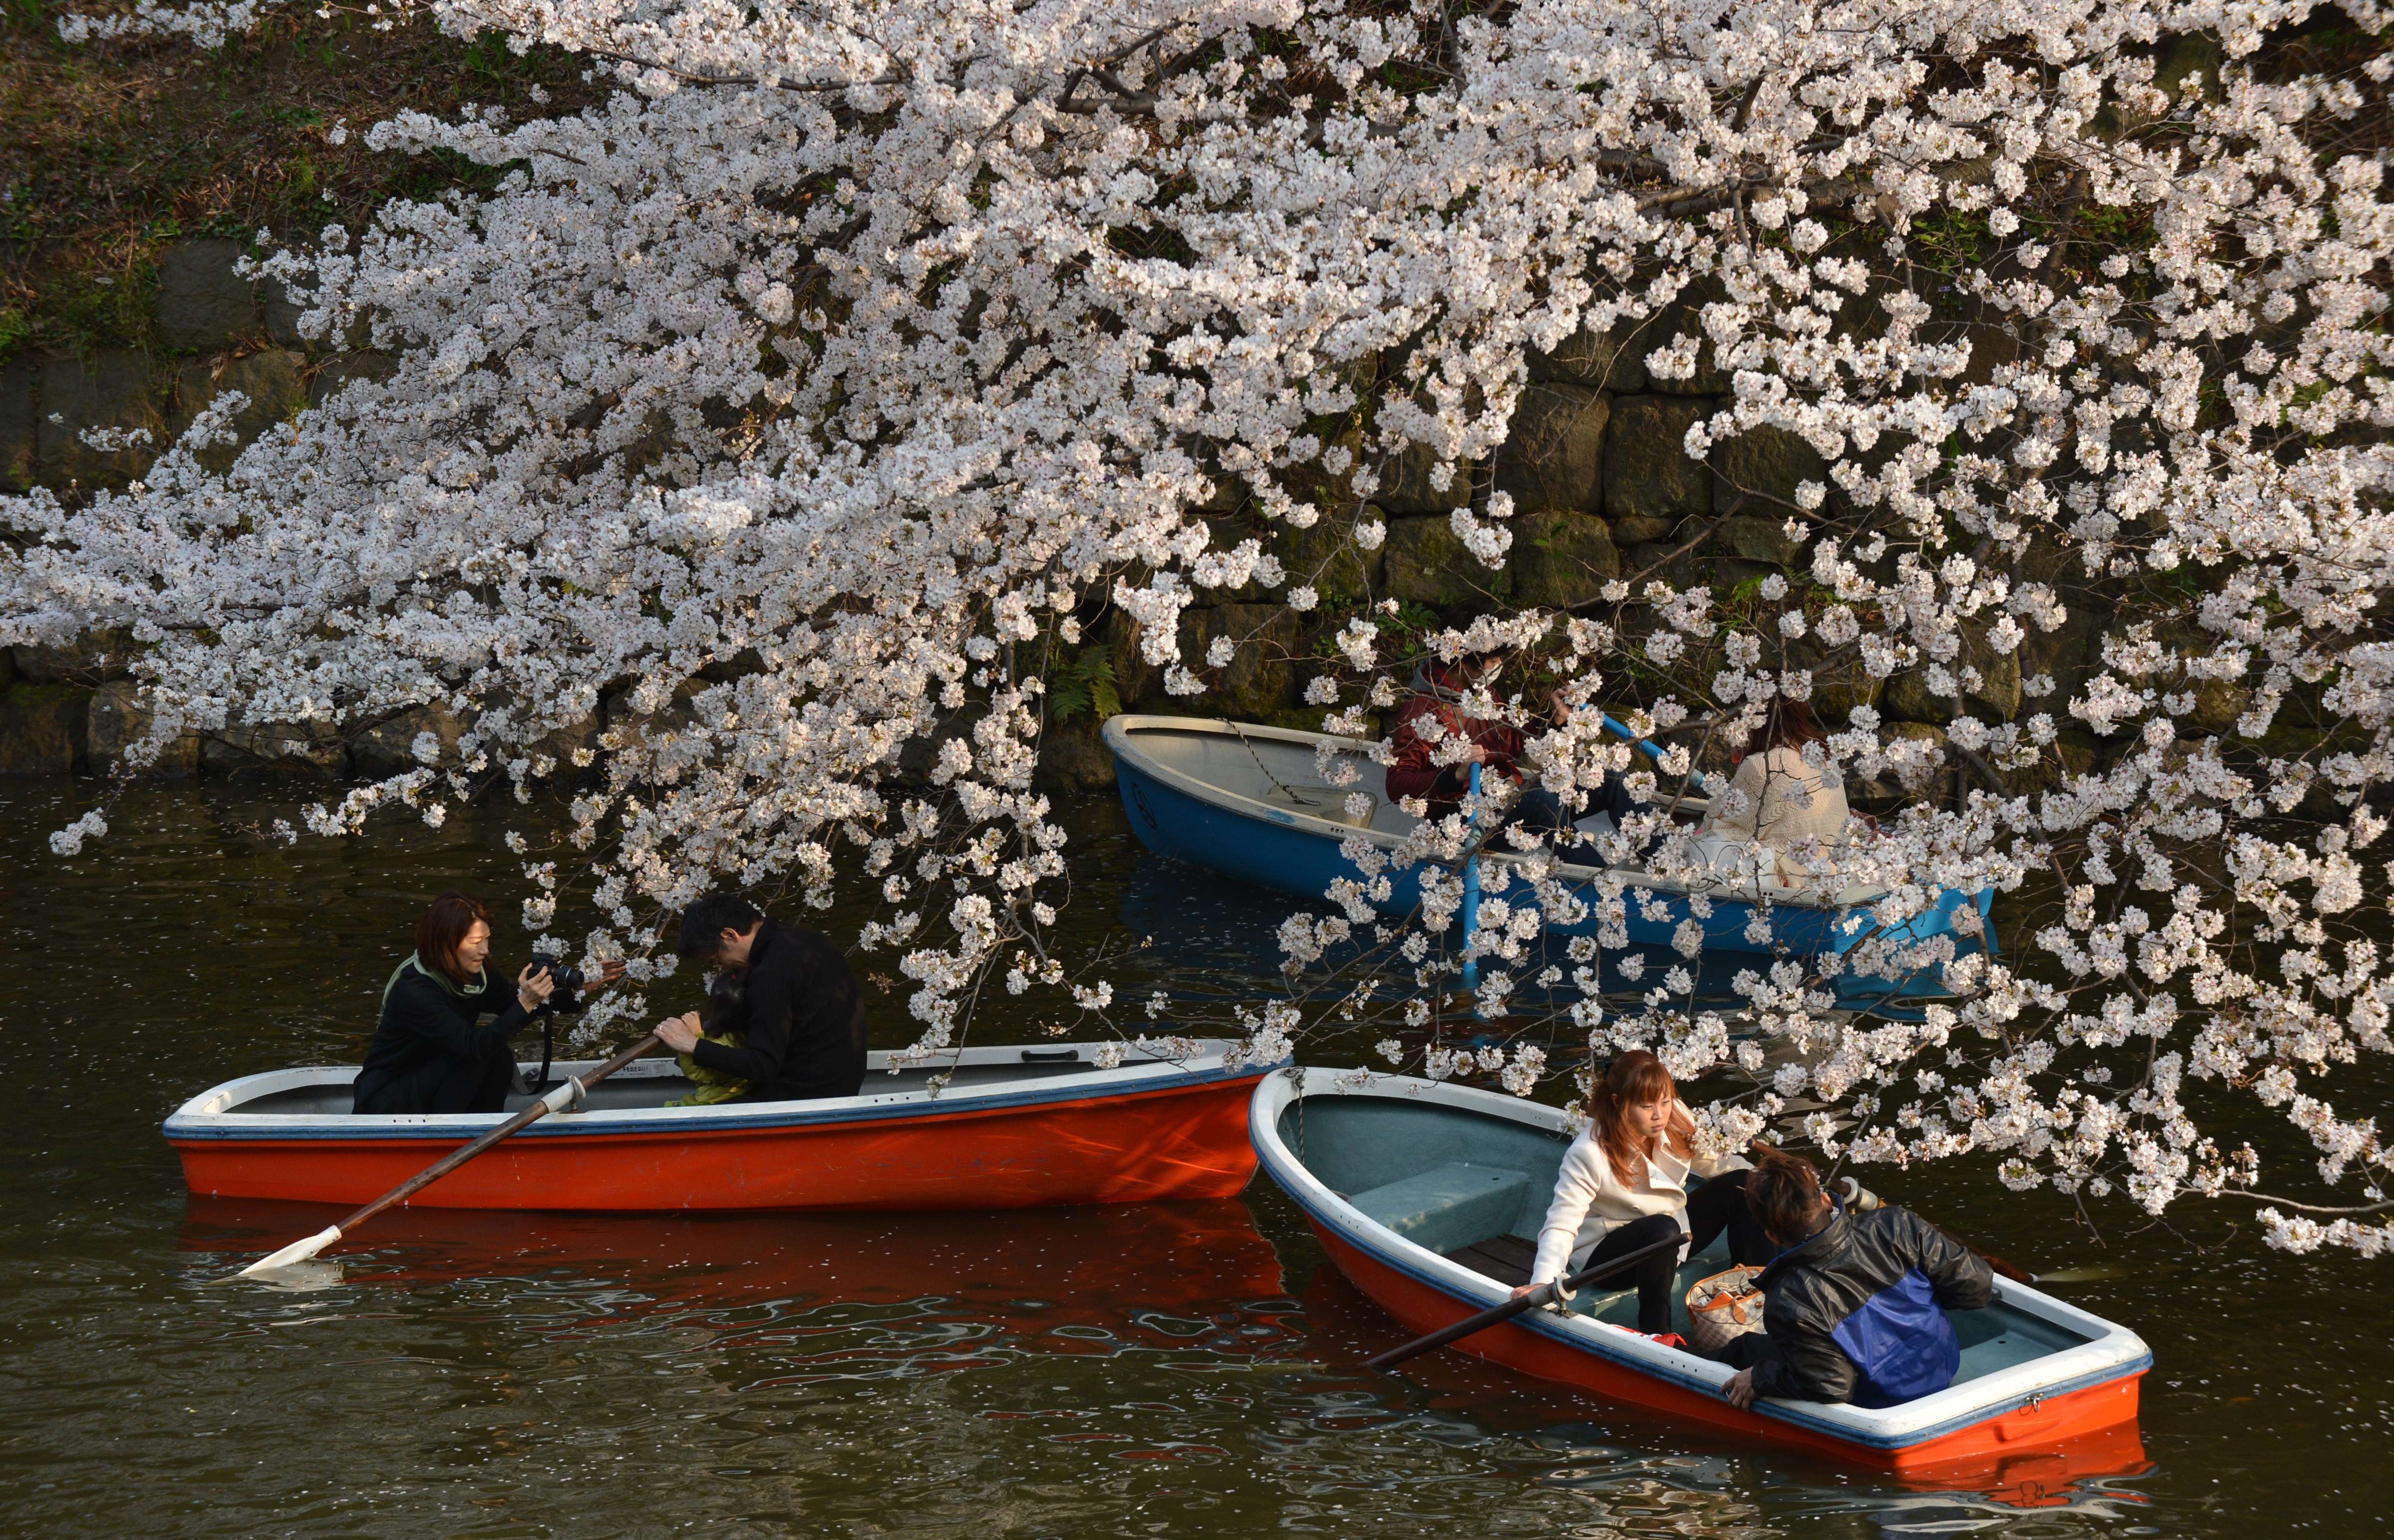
1447, 1205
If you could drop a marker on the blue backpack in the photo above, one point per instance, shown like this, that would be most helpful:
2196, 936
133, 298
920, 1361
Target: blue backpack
1901, 1342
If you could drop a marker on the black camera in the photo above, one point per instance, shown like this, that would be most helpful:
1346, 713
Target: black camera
567, 979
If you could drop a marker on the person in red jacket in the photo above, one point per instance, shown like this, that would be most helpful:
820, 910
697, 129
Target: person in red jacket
1430, 766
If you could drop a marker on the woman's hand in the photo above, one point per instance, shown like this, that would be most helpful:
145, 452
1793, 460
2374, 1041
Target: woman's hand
1521, 1289
609, 971
533, 988
1739, 1391
680, 1033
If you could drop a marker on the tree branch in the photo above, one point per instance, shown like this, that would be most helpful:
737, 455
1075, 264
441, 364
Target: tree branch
2308, 1208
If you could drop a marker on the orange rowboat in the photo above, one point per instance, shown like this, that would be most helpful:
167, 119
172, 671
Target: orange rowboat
998, 1128
1424, 1194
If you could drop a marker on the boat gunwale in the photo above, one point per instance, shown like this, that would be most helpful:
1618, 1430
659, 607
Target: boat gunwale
1119, 730
2110, 1352
195, 1120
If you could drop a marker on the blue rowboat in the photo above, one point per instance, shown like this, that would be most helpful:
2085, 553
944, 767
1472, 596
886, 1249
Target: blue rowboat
1252, 802
1426, 1194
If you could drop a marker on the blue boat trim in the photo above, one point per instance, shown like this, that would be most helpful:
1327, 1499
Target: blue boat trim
588, 1125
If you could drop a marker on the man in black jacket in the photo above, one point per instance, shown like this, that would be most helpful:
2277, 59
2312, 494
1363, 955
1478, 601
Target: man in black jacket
1854, 1309
800, 1014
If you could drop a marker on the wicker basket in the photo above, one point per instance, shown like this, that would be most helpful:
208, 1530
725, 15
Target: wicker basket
1723, 1306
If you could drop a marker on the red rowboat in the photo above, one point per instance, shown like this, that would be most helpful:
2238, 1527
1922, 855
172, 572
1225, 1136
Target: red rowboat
998, 1128
1423, 1193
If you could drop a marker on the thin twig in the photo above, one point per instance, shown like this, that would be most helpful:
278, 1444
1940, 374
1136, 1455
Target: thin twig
2308, 1208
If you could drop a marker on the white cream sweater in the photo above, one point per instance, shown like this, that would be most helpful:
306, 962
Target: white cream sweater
1784, 800
1591, 1201
1787, 815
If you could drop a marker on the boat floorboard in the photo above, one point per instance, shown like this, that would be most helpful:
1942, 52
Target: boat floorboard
1507, 1258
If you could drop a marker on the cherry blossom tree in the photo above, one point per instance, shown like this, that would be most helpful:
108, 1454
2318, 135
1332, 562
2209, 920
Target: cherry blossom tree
807, 395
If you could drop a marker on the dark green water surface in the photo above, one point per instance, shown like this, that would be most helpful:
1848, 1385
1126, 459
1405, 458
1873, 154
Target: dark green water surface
1191, 1370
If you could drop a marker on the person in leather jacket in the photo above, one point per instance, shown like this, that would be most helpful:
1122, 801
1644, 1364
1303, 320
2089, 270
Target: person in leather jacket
1854, 1307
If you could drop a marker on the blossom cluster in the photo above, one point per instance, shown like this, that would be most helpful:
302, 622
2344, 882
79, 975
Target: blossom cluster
802, 399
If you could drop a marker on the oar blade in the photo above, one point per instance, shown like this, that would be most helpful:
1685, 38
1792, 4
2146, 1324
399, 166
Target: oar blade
294, 1254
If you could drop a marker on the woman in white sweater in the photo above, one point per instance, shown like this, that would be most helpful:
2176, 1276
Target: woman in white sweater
1624, 1185
1782, 808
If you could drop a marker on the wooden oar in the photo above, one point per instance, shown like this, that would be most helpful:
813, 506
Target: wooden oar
1542, 1294
554, 1102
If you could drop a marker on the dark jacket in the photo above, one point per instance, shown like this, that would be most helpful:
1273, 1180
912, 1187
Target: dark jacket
1815, 1286
441, 1048
800, 1020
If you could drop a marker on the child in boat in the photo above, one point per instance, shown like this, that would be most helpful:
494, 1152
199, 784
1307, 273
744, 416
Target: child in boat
727, 1000
1624, 1186
1785, 802
1435, 716
1854, 1307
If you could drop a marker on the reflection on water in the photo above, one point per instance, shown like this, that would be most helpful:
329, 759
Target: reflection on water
1184, 1370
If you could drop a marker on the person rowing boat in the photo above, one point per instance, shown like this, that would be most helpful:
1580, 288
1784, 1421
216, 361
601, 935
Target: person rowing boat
1439, 735
1624, 1186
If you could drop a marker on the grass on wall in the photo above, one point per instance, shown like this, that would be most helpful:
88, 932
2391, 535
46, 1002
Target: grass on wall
109, 152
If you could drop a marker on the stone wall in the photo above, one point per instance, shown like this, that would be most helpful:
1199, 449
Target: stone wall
216, 332
74, 710
1600, 483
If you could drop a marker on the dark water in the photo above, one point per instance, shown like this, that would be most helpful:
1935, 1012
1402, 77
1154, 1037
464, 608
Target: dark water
1181, 1369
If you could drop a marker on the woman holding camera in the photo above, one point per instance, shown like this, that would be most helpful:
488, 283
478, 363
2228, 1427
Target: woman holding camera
441, 1044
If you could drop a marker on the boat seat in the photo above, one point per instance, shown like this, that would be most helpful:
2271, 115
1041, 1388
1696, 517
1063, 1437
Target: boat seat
1328, 803
1448, 1205
1992, 1340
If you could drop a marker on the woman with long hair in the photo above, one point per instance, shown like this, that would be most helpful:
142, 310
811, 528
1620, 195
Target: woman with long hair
1626, 1185
1785, 802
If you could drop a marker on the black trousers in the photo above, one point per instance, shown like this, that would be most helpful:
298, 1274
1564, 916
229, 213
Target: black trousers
1719, 1205
1745, 1350
1542, 811
443, 1085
